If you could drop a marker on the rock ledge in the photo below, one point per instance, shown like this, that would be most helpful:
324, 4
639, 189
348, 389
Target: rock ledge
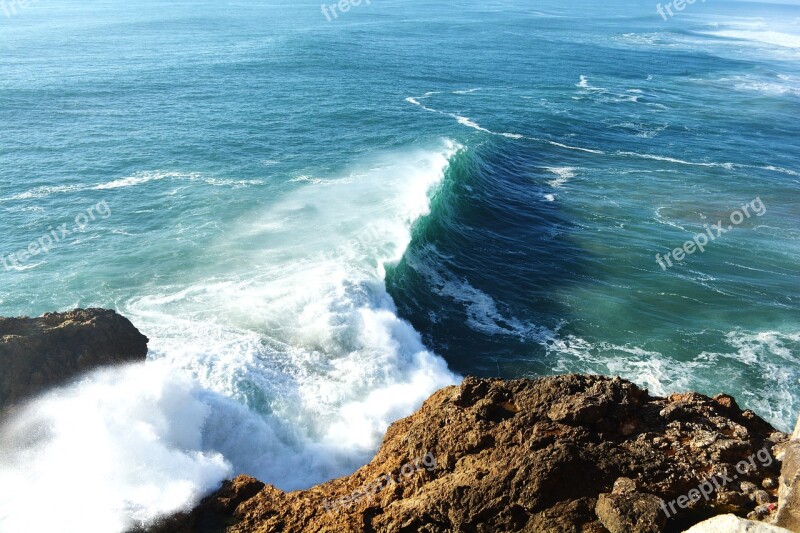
38, 353
568, 453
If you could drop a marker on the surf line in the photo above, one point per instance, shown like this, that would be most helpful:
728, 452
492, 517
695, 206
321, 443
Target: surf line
468, 122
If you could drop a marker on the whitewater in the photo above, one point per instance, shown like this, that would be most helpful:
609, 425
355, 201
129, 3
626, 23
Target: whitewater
318, 224
288, 365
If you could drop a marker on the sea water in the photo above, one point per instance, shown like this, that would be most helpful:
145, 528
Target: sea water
318, 223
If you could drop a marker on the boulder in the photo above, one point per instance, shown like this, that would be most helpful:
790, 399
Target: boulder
39, 353
626, 509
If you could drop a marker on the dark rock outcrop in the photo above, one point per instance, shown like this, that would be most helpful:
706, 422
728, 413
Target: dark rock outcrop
38, 353
558, 454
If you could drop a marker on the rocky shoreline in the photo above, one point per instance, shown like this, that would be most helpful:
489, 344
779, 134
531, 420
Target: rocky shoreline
571, 453
564, 453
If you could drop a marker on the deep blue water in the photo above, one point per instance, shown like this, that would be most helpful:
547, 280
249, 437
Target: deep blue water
319, 223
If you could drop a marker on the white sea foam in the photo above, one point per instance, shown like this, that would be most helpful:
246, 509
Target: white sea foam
677, 161
767, 356
644, 131
770, 85
564, 175
307, 178
766, 87
662, 220
725, 165
43, 192
140, 178
131, 437
234, 184
416, 102
774, 354
132, 181
583, 83
578, 148
481, 309
468, 122
773, 168
287, 362
785, 40
482, 313
465, 121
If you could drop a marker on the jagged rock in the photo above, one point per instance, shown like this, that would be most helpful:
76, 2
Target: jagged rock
626, 510
38, 353
733, 524
542, 455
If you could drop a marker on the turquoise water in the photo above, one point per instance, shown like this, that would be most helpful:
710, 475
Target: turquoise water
319, 223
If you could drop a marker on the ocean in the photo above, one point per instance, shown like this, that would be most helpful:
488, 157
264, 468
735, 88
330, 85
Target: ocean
320, 217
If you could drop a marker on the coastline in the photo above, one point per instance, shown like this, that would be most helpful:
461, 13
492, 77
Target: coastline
560, 453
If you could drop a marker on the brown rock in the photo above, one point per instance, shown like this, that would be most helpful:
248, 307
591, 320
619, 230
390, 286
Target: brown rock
631, 511
728, 402
528, 455
747, 487
624, 485
788, 514
38, 353
761, 497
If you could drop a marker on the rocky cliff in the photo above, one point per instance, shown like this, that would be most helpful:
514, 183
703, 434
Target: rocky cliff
563, 454
38, 353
